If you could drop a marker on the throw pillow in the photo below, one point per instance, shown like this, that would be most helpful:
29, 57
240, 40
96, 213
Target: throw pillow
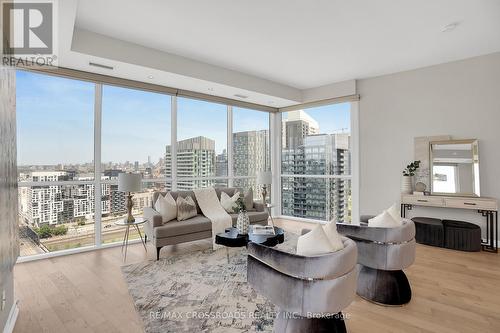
166, 206
229, 203
333, 236
384, 220
395, 212
186, 208
248, 199
313, 243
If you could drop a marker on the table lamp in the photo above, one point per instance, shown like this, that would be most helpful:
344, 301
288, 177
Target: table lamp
129, 182
264, 178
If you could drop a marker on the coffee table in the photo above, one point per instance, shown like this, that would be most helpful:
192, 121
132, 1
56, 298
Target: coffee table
231, 238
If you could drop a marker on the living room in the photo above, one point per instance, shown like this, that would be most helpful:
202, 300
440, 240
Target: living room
175, 166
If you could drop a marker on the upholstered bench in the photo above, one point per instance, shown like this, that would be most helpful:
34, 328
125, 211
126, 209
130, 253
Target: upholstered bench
429, 231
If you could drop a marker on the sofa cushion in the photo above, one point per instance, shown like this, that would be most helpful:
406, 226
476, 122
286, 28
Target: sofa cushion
166, 206
252, 216
248, 199
199, 223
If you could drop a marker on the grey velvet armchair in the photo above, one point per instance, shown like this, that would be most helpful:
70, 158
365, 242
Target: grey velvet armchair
310, 292
383, 253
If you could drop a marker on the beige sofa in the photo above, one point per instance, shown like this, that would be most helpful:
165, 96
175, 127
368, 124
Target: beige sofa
196, 228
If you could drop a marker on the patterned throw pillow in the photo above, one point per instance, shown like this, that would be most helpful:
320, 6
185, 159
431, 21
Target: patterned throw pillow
229, 203
186, 208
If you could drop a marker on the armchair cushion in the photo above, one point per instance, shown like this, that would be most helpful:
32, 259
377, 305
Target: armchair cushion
314, 243
384, 220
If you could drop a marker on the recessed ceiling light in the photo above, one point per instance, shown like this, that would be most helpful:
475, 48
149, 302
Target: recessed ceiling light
151, 77
240, 96
450, 27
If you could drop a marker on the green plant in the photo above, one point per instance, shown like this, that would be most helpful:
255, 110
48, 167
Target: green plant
411, 168
240, 206
60, 230
44, 231
80, 222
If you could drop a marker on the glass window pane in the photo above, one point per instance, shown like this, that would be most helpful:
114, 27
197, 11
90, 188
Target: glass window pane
55, 125
55, 119
251, 149
317, 198
317, 141
202, 145
112, 233
135, 132
55, 217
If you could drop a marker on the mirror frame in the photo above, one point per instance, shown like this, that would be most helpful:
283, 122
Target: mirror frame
475, 157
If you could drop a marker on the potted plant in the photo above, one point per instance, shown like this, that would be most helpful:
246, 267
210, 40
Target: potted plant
407, 180
243, 220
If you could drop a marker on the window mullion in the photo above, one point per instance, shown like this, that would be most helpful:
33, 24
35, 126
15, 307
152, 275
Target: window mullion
230, 171
97, 164
173, 142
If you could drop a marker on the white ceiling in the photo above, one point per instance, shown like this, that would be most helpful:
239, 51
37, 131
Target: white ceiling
298, 45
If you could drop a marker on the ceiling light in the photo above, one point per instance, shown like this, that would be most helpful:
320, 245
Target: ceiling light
450, 27
240, 96
151, 77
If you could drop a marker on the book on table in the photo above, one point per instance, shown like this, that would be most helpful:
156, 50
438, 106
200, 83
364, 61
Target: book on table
263, 230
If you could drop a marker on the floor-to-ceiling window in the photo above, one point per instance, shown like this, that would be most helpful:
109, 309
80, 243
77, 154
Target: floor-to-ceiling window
75, 137
316, 163
251, 147
202, 156
55, 140
135, 133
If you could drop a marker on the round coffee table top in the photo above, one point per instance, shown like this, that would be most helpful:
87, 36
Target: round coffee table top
231, 238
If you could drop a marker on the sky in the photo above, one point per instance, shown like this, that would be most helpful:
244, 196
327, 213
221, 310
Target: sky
55, 121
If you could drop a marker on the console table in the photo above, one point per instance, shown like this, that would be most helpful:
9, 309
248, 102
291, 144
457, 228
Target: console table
487, 207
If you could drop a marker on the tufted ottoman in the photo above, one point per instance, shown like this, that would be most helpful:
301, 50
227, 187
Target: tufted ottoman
429, 231
463, 236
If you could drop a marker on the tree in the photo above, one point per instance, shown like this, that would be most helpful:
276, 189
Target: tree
60, 230
44, 231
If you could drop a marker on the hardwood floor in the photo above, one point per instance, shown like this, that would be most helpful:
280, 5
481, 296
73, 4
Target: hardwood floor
452, 292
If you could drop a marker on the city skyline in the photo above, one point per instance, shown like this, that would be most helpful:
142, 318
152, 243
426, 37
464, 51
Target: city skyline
131, 121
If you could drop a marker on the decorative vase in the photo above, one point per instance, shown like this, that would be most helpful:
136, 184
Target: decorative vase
407, 185
242, 223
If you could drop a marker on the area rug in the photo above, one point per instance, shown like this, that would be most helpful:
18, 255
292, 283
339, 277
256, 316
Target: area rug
198, 292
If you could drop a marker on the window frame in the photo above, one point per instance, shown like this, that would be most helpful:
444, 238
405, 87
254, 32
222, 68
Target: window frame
275, 147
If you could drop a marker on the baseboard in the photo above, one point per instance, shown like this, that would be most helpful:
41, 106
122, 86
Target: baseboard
11, 320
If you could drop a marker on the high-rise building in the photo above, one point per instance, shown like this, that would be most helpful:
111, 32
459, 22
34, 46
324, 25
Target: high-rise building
54, 204
250, 155
308, 153
195, 159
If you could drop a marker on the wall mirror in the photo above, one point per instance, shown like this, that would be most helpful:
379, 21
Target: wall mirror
455, 167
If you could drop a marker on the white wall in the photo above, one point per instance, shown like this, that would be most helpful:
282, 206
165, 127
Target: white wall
461, 99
